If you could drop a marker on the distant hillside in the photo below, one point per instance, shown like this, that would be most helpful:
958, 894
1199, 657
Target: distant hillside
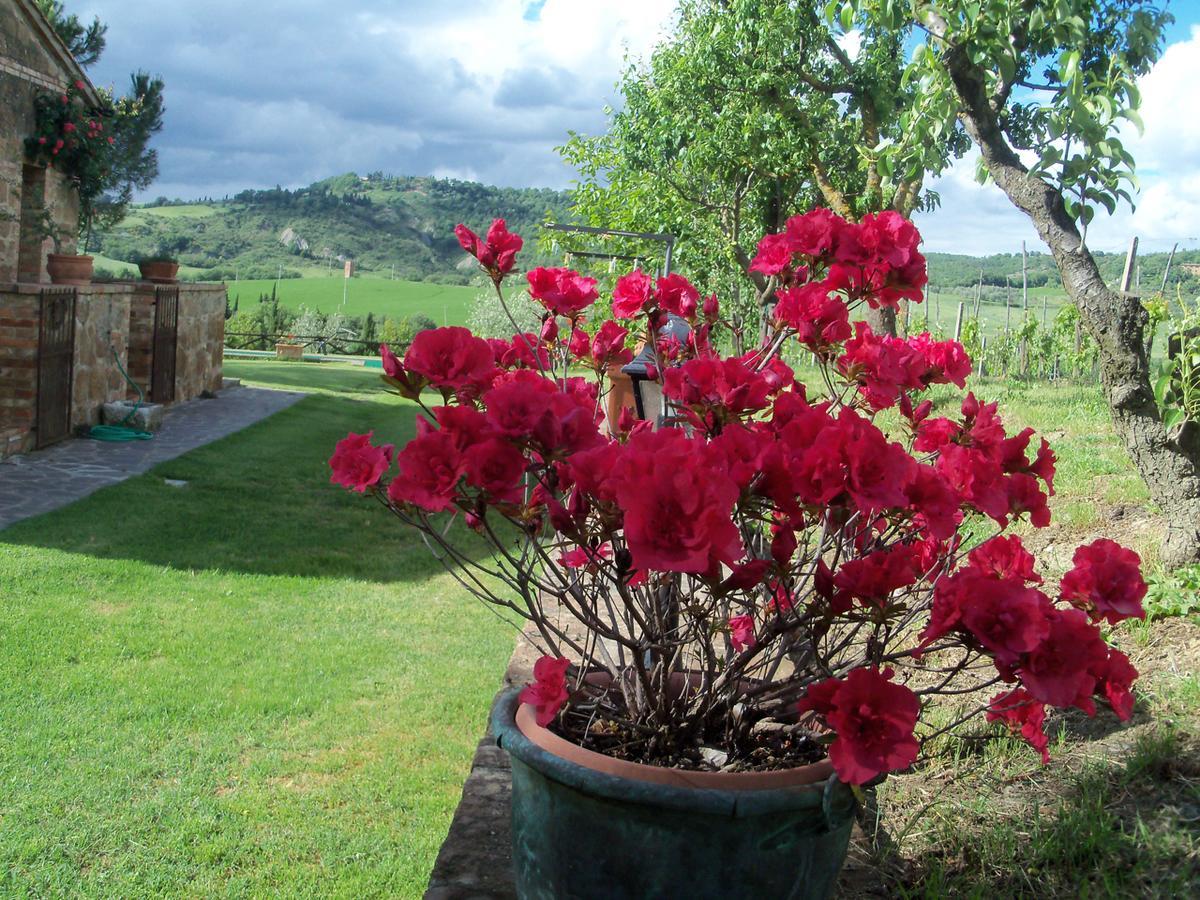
378, 221
949, 271
381, 221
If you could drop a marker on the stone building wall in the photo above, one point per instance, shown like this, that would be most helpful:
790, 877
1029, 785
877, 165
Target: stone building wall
31, 62
201, 345
101, 326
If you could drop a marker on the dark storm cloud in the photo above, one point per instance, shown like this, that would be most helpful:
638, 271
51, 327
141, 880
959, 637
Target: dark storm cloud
270, 93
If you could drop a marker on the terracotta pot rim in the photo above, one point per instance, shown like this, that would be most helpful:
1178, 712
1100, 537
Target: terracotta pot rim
801, 776
79, 256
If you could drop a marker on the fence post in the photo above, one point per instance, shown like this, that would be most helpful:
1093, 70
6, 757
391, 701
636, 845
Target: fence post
982, 353
959, 322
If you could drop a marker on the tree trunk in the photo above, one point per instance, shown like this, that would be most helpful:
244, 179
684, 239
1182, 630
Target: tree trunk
1115, 321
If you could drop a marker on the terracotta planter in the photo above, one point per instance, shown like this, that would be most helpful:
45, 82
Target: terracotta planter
69, 268
284, 350
160, 271
589, 826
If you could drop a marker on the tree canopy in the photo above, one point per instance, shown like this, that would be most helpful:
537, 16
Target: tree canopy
752, 111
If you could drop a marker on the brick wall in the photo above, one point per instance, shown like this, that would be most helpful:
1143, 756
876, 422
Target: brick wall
141, 337
18, 370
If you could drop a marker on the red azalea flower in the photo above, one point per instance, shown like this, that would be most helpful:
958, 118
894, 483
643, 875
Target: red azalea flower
356, 464
816, 233
497, 254
1058, 671
871, 579
1006, 617
678, 503
563, 292
580, 345
675, 294
430, 466
1005, 557
711, 383
1115, 679
632, 295
520, 353
1106, 582
741, 632
883, 366
1024, 715
518, 402
946, 362
452, 359
935, 503
819, 319
608, 346
548, 693
774, 255
495, 466
585, 557
874, 720
878, 472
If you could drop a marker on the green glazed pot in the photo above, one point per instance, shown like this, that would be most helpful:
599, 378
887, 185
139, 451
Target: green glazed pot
579, 832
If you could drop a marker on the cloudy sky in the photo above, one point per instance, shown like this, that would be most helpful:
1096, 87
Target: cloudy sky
262, 92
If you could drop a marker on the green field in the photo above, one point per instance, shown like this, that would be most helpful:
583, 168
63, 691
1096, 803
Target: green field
446, 304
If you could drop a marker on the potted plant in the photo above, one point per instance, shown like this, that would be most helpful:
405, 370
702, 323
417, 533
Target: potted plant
71, 137
289, 348
159, 267
63, 268
759, 603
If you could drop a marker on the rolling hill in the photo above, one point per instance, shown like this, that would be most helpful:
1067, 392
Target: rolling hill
391, 226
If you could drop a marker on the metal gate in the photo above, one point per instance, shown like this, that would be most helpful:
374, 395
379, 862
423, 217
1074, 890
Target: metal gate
55, 365
166, 333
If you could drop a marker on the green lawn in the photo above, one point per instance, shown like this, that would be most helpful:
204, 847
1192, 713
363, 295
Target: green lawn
252, 685
445, 304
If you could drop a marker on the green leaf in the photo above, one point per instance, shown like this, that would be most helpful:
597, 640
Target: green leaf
846, 17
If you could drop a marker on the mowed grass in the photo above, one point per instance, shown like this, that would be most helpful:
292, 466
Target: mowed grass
255, 684
445, 304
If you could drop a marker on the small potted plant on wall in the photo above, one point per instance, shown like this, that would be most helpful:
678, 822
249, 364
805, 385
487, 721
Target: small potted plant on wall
749, 610
63, 268
159, 267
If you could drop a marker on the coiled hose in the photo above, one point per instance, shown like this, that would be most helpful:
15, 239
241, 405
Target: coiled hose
122, 431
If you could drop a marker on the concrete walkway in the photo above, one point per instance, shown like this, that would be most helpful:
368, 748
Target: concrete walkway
47, 479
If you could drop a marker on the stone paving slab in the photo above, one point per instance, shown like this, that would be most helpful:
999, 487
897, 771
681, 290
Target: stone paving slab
44, 480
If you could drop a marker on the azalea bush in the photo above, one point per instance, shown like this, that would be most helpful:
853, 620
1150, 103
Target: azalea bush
774, 570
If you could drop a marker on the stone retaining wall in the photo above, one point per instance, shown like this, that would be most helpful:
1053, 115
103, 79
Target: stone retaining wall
108, 317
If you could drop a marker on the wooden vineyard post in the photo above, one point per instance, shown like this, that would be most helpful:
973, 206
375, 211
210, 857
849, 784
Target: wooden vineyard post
959, 322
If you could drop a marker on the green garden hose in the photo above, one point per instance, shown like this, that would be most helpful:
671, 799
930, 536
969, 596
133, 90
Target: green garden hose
122, 431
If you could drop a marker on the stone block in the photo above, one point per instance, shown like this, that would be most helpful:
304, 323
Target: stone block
149, 416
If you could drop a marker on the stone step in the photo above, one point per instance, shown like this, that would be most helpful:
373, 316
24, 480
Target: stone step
227, 383
148, 417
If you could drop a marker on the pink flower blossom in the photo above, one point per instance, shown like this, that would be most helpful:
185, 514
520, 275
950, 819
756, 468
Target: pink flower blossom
548, 693
357, 464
